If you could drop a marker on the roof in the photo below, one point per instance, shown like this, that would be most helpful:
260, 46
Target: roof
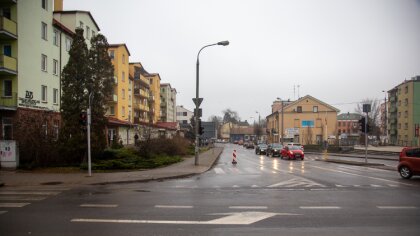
62, 27
242, 130
168, 125
349, 116
115, 121
77, 11
155, 74
119, 45
165, 85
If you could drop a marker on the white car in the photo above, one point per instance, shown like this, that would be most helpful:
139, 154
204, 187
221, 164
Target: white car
295, 144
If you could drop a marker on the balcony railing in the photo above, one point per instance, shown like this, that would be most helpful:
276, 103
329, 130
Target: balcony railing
141, 93
8, 64
8, 101
393, 109
8, 28
116, 80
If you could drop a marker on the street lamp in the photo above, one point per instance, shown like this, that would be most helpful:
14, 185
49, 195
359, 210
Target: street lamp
258, 127
197, 99
385, 122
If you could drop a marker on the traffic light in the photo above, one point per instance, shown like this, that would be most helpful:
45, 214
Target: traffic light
200, 128
83, 119
362, 122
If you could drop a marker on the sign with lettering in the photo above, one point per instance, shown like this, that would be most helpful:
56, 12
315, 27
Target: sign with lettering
28, 101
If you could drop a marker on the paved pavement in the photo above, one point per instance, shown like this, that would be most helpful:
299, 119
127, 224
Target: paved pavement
178, 170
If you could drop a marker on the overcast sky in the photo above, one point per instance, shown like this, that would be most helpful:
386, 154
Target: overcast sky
337, 51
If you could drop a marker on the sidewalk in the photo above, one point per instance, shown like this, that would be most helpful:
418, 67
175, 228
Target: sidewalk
396, 149
178, 170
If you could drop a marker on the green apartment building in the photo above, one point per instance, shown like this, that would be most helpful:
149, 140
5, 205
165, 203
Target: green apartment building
404, 112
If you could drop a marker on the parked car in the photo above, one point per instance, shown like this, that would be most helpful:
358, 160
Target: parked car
250, 145
292, 152
261, 149
409, 162
241, 142
274, 149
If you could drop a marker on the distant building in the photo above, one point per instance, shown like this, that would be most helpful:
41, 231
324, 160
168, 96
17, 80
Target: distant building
404, 112
210, 130
183, 115
306, 120
168, 103
348, 123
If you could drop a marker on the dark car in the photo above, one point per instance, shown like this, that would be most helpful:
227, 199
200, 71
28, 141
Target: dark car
409, 162
261, 149
250, 145
292, 152
274, 149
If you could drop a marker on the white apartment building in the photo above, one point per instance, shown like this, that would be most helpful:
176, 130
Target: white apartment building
167, 103
183, 115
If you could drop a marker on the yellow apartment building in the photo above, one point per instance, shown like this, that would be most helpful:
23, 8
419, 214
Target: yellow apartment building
154, 80
306, 121
141, 93
120, 106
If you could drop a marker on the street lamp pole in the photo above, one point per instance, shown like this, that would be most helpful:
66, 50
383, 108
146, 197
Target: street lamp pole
385, 122
197, 101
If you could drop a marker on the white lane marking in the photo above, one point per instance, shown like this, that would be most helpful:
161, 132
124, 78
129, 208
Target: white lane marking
254, 186
235, 186
2, 212
356, 185
219, 170
339, 186
248, 207
174, 207
320, 207
27, 193
365, 176
21, 198
297, 182
13, 204
396, 207
376, 186
99, 205
393, 185
238, 218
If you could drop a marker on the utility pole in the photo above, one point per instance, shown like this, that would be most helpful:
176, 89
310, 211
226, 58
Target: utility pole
89, 121
366, 108
282, 122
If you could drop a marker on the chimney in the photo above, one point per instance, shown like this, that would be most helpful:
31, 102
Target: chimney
58, 5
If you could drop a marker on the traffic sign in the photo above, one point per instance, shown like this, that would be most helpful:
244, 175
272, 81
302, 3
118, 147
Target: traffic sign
199, 101
200, 112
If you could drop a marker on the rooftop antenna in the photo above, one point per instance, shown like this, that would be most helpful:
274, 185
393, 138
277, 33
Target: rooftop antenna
298, 86
294, 92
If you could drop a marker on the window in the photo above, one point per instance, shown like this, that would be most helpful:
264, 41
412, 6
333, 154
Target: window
129, 98
7, 128
56, 129
339, 124
55, 67
399, 103
44, 93
56, 38
45, 4
112, 110
123, 77
123, 59
184, 114
44, 62
45, 128
7, 50
123, 94
399, 125
55, 96
315, 109
406, 89
406, 114
399, 114
87, 32
93, 34
81, 24
406, 102
299, 109
68, 44
7, 88
44, 31
123, 111
6, 13
339, 131
111, 54
406, 126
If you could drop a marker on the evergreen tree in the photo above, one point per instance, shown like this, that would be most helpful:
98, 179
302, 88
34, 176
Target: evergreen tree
101, 85
75, 77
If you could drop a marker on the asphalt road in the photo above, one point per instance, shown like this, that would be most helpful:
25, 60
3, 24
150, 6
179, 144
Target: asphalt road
258, 196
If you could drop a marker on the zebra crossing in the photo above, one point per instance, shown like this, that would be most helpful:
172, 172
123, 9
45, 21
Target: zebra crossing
17, 197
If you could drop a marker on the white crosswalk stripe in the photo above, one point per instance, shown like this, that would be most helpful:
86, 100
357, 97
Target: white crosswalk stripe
297, 182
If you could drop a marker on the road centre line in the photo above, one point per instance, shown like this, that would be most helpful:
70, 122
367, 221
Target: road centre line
370, 177
99, 205
2, 212
396, 207
248, 207
321, 207
175, 207
13, 204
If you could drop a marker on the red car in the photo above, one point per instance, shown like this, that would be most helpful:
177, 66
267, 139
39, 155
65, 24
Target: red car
292, 152
409, 162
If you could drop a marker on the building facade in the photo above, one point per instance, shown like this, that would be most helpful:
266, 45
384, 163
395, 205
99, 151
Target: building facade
154, 80
141, 94
183, 115
306, 121
404, 112
168, 103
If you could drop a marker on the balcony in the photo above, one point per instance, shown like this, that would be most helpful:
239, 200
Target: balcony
392, 99
113, 98
8, 102
115, 80
393, 109
8, 28
8, 65
393, 120
141, 93
151, 98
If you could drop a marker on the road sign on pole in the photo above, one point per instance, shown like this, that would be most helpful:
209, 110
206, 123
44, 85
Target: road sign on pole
200, 112
197, 102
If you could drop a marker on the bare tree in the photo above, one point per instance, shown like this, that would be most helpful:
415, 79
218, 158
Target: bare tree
373, 114
230, 116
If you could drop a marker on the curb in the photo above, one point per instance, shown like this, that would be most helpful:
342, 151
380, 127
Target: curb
355, 156
357, 163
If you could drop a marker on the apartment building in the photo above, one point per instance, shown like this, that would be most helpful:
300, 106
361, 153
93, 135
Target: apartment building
183, 115
35, 48
306, 120
168, 103
404, 112
142, 99
154, 80
348, 123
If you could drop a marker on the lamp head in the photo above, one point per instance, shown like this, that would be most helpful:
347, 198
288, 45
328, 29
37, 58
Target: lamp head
223, 43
